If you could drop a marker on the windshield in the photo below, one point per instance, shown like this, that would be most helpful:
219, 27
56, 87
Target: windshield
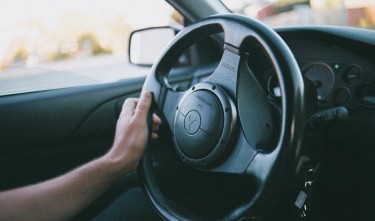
275, 13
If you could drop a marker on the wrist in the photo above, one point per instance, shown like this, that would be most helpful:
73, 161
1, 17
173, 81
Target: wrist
119, 163
113, 166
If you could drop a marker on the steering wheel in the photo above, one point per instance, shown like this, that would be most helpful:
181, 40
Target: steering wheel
224, 124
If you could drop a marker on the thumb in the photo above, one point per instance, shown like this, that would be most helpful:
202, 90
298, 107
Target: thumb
143, 105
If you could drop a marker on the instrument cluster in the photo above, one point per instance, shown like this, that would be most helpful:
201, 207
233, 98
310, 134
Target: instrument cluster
336, 83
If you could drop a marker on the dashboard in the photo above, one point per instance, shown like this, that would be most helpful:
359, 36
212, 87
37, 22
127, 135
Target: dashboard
340, 65
338, 62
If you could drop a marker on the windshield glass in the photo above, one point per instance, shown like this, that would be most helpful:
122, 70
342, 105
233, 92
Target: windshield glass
275, 13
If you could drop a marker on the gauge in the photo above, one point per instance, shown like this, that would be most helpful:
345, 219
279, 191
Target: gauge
321, 75
352, 74
341, 96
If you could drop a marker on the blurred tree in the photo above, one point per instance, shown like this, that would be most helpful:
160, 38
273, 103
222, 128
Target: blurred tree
89, 45
334, 3
20, 55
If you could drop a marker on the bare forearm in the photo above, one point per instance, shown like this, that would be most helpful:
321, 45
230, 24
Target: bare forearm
62, 197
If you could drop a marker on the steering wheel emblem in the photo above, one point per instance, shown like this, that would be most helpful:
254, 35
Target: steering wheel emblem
192, 122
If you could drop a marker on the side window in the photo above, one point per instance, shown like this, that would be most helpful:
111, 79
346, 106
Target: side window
50, 44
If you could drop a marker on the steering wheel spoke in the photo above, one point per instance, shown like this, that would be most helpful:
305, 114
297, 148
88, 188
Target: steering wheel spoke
225, 74
170, 105
254, 110
240, 158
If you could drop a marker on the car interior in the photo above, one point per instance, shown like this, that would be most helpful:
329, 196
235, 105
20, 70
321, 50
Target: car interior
291, 137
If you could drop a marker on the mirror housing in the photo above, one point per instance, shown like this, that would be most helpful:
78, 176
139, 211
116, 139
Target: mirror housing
146, 45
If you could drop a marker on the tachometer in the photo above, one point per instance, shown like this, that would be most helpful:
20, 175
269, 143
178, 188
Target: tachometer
322, 77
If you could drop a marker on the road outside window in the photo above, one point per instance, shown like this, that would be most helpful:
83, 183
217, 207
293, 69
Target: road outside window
50, 44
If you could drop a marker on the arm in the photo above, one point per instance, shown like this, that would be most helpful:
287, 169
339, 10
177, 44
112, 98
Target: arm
63, 197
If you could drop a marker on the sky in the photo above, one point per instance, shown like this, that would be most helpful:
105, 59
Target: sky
49, 11
14, 13
137, 13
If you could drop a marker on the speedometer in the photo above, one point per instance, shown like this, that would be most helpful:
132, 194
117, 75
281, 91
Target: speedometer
321, 75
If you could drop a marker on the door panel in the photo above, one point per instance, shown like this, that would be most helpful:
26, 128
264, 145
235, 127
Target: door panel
34, 121
44, 134
47, 133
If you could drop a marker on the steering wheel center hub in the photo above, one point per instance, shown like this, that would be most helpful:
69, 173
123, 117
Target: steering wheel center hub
203, 122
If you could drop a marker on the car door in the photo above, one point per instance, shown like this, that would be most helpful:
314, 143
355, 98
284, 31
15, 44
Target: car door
50, 124
45, 134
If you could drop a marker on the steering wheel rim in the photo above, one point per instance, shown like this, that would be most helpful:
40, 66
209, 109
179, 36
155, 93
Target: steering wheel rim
267, 166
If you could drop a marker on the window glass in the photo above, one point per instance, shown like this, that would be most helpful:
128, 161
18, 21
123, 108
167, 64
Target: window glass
354, 13
49, 44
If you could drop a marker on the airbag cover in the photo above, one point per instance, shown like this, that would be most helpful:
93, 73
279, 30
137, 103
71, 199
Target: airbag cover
198, 124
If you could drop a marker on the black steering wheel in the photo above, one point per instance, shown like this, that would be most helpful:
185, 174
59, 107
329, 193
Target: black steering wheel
224, 125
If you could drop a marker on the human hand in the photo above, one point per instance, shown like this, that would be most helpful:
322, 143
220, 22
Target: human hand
132, 132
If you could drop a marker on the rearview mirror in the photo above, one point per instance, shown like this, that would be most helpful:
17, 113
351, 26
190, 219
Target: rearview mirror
146, 45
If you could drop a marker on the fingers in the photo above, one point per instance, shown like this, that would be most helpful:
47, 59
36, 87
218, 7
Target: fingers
138, 110
128, 108
156, 121
154, 136
143, 105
